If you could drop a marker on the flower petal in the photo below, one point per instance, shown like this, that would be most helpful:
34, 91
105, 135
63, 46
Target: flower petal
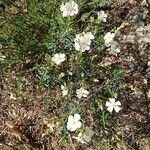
112, 100
118, 103
73, 128
108, 104
77, 117
78, 124
70, 118
69, 126
117, 108
90, 35
110, 109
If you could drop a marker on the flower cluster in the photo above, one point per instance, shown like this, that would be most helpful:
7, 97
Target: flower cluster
69, 9
74, 122
83, 41
81, 92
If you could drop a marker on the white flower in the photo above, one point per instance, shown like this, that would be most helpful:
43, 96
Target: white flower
111, 104
64, 90
102, 16
58, 58
86, 136
115, 48
83, 41
74, 122
82, 92
109, 37
69, 9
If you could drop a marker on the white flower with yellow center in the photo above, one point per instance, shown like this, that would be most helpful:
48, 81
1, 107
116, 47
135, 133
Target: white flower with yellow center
58, 58
69, 9
83, 41
109, 38
112, 104
102, 16
74, 122
64, 90
82, 92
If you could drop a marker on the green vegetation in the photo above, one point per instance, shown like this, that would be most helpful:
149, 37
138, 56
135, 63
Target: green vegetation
32, 32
